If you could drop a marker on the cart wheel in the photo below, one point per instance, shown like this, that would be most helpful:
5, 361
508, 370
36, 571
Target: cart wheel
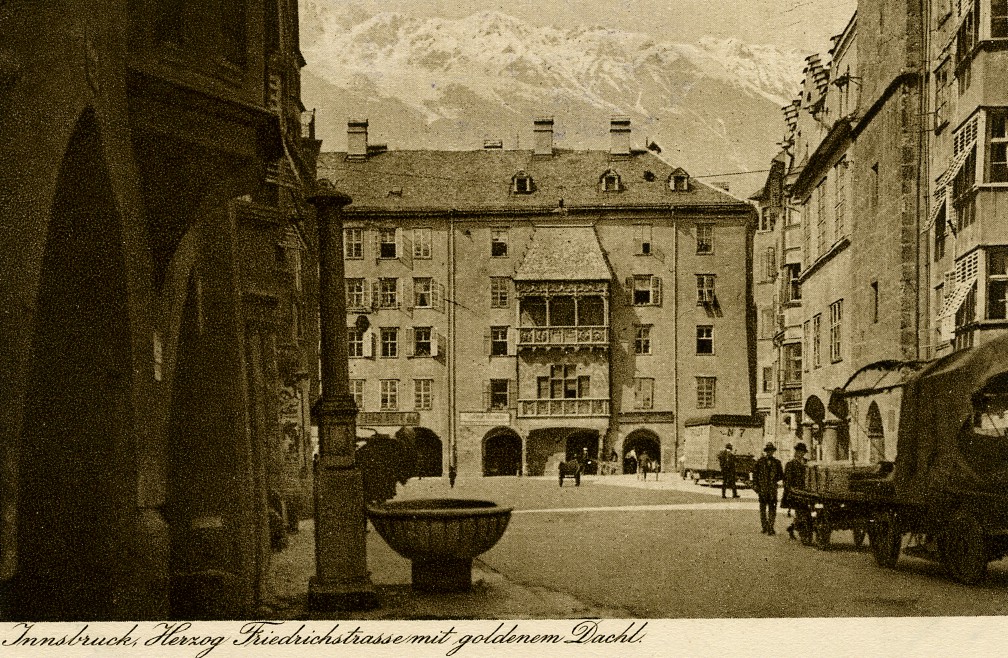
823, 528
886, 539
803, 524
964, 548
859, 534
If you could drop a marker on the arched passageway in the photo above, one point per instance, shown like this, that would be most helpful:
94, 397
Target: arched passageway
641, 442
502, 452
876, 434
75, 466
429, 451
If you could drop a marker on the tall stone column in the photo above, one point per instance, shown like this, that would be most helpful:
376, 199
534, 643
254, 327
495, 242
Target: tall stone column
341, 581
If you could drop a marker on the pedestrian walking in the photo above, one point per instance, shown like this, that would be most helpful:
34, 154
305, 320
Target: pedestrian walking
726, 459
766, 474
794, 478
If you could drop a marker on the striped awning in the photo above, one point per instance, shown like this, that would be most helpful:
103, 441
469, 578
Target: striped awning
946, 317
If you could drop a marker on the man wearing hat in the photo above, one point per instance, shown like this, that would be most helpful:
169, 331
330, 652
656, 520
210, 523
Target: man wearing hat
766, 474
726, 459
794, 478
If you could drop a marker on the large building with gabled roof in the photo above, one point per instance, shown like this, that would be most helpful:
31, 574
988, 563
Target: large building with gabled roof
510, 309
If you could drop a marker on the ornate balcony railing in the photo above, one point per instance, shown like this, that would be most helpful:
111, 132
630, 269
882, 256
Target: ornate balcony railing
563, 407
587, 336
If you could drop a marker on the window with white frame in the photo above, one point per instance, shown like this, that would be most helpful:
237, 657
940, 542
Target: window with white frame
564, 382
642, 339
423, 394
422, 292
355, 343
705, 238
498, 243
498, 341
422, 341
997, 145
500, 289
766, 219
389, 394
705, 289
357, 392
388, 292
836, 322
522, 183
706, 390
353, 243
793, 363
997, 283
816, 340
499, 393
704, 339
389, 342
421, 243
646, 290
643, 393
387, 244
355, 293
941, 78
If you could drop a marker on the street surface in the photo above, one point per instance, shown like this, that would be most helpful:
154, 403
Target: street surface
677, 550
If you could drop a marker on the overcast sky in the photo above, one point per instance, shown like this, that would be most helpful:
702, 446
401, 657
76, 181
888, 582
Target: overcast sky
803, 24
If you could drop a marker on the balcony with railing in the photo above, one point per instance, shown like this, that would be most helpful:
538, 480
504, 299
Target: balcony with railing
563, 408
576, 337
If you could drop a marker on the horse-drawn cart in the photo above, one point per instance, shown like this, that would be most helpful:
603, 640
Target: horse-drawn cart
944, 497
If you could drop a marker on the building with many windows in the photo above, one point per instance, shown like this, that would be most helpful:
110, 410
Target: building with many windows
512, 309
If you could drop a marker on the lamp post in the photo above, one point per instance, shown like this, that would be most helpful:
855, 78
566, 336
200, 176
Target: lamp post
341, 580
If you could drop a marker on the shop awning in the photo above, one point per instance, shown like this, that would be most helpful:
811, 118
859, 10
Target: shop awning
946, 316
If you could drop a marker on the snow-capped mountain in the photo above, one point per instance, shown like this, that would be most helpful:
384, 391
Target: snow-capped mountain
714, 106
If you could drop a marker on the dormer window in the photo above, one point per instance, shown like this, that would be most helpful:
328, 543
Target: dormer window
679, 181
611, 181
521, 183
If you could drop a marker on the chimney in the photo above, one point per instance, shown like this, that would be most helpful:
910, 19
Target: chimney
543, 128
357, 146
722, 184
619, 130
493, 145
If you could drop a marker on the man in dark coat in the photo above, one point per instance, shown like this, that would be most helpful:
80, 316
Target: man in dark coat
766, 474
726, 459
794, 478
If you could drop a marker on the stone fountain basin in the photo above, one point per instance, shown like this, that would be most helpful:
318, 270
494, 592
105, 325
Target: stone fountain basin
441, 536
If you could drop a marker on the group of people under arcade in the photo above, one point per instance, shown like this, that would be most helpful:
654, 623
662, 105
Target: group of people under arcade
767, 472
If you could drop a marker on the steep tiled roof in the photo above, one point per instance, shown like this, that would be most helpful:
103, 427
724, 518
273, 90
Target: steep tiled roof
566, 253
477, 180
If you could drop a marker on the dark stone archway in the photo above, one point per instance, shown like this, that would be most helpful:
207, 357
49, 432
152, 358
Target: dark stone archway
641, 442
76, 464
502, 452
429, 451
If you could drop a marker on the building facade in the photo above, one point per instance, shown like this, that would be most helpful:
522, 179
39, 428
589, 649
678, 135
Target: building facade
966, 266
135, 461
513, 309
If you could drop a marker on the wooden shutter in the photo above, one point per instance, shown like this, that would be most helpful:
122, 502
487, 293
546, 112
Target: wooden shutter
486, 344
442, 344
408, 296
409, 335
435, 342
377, 245
486, 395
512, 337
367, 344
512, 394
405, 249
375, 294
398, 301
656, 290
437, 296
